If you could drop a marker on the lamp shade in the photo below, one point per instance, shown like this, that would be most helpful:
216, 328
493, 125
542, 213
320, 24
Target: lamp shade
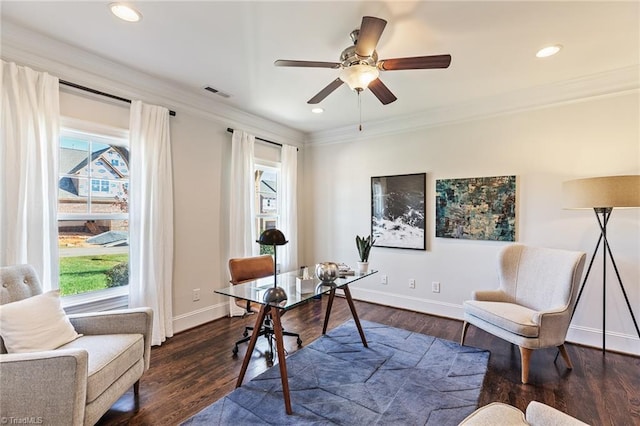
272, 237
359, 76
602, 192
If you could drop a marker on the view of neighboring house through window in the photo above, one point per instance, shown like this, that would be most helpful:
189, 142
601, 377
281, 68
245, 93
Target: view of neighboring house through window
93, 218
266, 201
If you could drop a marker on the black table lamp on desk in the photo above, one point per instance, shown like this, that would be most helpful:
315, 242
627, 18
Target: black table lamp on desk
273, 237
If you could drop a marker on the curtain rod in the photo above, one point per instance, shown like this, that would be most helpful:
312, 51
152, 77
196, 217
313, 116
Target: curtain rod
97, 92
230, 130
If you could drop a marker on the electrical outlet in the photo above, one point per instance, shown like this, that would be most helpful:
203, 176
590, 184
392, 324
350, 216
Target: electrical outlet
196, 294
412, 283
384, 280
435, 287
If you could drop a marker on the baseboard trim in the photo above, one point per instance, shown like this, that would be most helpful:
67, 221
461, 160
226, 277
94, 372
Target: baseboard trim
425, 306
615, 342
198, 317
585, 336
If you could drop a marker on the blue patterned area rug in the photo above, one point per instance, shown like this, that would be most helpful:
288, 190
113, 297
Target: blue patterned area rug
403, 378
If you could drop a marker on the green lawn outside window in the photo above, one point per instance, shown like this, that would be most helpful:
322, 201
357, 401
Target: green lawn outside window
87, 273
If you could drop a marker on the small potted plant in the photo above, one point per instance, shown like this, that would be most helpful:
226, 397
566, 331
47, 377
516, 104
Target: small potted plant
364, 245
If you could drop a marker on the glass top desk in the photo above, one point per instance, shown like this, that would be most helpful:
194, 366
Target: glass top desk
254, 291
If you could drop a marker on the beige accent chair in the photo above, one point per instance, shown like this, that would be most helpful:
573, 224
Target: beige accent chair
76, 383
538, 414
533, 306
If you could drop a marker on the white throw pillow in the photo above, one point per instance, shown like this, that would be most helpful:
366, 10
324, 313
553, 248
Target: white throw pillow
37, 323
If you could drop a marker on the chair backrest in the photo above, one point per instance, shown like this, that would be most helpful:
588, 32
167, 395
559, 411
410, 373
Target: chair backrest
18, 282
250, 268
540, 278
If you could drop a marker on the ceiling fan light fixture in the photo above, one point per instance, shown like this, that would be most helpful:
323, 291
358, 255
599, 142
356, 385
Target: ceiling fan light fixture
359, 76
125, 12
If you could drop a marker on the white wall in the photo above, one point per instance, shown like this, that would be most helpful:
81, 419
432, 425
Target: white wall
543, 148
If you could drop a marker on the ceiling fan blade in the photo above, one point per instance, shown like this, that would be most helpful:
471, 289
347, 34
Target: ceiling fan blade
415, 63
306, 64
370, 32
326, 91
382, 92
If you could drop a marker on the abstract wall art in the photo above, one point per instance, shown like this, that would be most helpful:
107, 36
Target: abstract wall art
481, 208
398, 212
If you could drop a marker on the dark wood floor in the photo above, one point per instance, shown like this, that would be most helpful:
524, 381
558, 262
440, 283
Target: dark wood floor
195, 368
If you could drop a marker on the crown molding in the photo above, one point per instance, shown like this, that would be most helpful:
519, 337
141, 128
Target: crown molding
40, 52
610, 83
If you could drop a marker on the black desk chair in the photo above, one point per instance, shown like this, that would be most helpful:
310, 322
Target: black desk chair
249, 269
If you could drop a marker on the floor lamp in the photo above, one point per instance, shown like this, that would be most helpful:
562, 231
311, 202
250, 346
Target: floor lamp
602, 194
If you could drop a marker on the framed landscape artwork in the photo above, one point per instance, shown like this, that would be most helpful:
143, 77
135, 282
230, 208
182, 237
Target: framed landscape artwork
397, 211
482, 208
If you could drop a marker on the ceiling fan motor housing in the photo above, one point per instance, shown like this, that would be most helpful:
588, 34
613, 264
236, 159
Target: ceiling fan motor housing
349, 56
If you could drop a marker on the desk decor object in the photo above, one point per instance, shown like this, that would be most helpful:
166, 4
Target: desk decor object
273, 237
304, 282
327, 272
398, 211
481, 208
602, 194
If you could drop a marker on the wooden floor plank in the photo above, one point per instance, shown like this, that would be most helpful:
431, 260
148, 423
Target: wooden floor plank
195, 368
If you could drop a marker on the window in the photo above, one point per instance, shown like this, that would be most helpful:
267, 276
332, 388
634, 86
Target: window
93, 218
266, 200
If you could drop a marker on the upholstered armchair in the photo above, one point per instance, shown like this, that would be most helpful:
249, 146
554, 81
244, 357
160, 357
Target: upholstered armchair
76, 383
537, 414
532, 308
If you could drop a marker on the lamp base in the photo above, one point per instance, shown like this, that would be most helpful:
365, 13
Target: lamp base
274, 295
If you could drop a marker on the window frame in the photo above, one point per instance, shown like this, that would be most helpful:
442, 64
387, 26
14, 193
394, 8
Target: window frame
110, 298
271, 166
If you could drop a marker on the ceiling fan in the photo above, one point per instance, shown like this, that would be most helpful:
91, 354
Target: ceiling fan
359, 65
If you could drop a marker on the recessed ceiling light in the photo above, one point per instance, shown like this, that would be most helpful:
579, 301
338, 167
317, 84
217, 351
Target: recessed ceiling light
317, 110
548, 51
125, 12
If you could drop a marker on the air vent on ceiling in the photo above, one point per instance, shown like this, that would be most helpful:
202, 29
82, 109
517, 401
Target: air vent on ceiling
216, 91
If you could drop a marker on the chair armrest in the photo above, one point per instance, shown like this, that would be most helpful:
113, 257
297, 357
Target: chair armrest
49, 387
490, 296
124, 321
539, 414
553, 326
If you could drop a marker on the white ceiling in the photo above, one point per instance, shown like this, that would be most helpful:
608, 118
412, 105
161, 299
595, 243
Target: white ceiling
232, 46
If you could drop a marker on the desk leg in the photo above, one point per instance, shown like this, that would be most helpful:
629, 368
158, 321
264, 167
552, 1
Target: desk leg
332, 294
252, 343
347, 294
277, 328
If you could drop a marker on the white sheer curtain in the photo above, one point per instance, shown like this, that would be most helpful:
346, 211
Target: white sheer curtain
242, 234
151, 216
29, 127
287, 197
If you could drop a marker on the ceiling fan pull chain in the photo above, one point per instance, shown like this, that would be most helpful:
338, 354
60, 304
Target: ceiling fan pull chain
360, 108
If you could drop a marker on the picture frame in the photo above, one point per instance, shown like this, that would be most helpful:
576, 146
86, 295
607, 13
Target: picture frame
398, 214
478, 208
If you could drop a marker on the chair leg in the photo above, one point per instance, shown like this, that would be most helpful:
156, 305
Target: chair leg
525, 356
136, 388
565, 356
465, 326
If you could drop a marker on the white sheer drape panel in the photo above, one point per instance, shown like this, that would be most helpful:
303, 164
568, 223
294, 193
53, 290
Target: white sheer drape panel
242, 234
29, 128
151, 216
288, 208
